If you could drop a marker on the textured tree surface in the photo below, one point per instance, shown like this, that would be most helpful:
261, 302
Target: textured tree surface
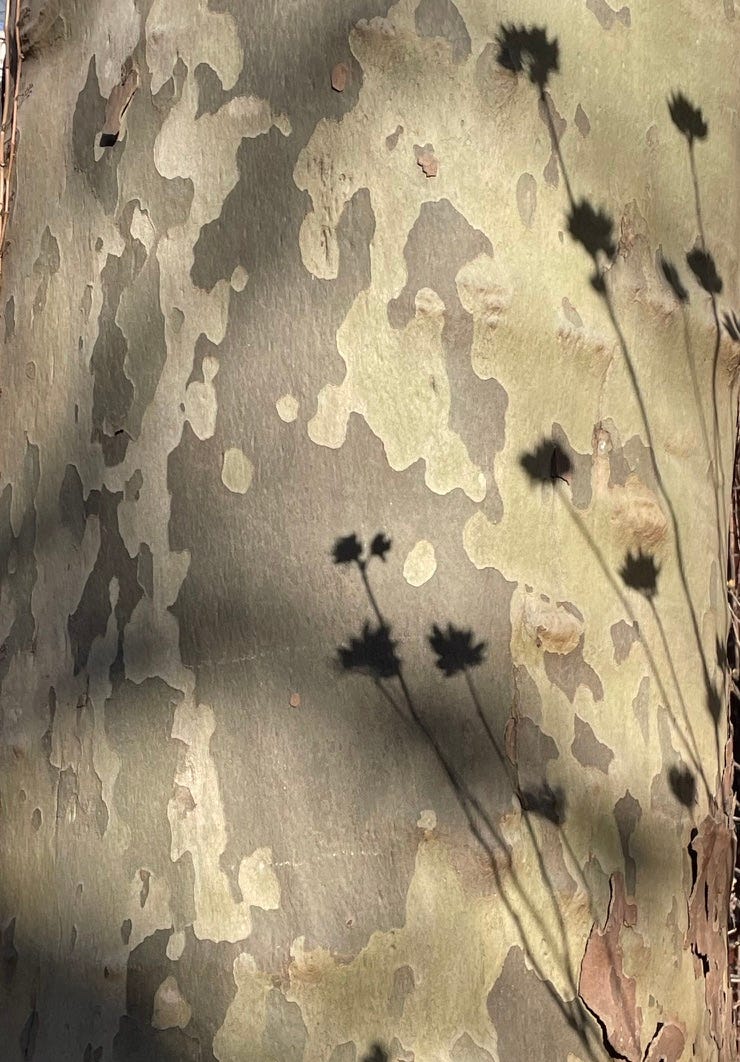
285, 279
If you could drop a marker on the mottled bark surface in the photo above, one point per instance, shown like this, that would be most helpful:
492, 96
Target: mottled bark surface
321, 283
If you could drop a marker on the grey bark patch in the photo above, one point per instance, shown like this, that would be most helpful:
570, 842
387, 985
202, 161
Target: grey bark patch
496, 86
211, 95
570, 671
142, 322
587, 749
439, 244
440, 18
467, 1050
627, 812
526, 198
18, 569
86, 301
113, 392
551, 172
346, 1052
285, 1033
88, 120
397, 1052
203, 348
90, 618
532, 1023
640, 705
48, 260
439, 229
9, 319
80, 804
392, 140
140, 716
528, 700
607, 16
624, 635
583, 125
132, 487
534, 750
72, 504
130, 349
145, 570
634, 458
45, 266
729, 6
8, 955
556, 126
403, 984
571, 313
318, 34
126, 927
202, 962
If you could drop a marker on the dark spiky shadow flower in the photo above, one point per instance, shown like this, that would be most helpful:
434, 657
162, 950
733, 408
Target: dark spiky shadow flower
380, 545
377, 1054
732, 325
456, 649
714, 702
544, 801
347, 550
373, 653
640, 572
547, 462
683, 785
673, 280
528, 50
593, 229
687, 118
704, 269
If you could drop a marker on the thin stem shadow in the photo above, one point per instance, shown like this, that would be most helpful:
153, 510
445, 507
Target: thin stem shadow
385, 666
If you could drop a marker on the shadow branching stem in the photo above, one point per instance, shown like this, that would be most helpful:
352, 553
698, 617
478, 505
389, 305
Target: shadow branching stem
691, 748
478, 820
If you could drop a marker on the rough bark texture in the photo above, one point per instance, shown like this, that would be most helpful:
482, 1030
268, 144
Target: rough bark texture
321, 283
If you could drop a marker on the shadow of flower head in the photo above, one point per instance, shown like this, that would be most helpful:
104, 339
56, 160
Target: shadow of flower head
673, 280
732, 325
456, 650
377, 1054
380, 545
544, 801
714, 702
527, 50
702, 266
687, 118
640, 572
373, 653
720, 652
683, 785
547, 462
593, 229
347, 550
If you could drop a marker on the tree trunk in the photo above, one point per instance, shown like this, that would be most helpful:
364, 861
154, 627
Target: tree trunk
283, 280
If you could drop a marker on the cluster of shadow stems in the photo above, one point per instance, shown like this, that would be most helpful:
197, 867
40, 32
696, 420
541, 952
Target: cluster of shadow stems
528, 51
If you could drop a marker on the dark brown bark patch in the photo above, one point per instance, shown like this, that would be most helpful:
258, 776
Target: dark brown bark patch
604, 987
712, 849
